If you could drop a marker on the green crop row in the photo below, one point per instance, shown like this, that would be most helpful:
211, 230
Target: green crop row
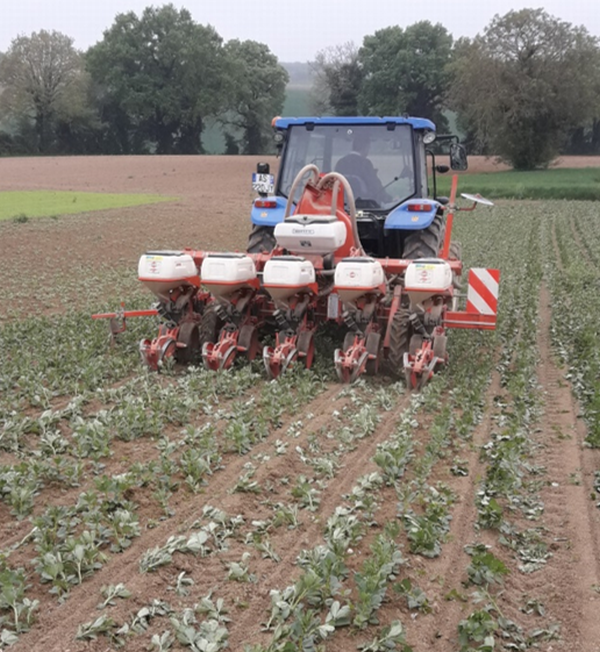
507, 500
124, 449
573, 280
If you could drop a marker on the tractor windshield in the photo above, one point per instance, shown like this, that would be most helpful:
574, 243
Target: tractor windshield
378, 162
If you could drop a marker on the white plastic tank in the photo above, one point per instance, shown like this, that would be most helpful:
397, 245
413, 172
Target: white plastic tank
426, 277
163, 271
284, 276
357, 276
224, 274
311, 234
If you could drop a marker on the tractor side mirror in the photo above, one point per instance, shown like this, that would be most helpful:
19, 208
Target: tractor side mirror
441, 169
458, 157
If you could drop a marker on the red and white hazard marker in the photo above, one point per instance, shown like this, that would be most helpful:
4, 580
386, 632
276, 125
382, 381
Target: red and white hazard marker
482, 294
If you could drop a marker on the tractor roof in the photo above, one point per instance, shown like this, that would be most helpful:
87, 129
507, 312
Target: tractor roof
416, 123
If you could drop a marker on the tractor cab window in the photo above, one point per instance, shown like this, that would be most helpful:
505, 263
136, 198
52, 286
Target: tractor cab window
378, 162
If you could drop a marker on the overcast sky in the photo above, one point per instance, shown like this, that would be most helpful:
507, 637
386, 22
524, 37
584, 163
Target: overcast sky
294, 30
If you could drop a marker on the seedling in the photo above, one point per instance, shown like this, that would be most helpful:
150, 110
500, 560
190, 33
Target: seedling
182, 583
91, 630
206, 635
389, 638
415, 597
478, 627
112, 592
12, 598
239, 571
486, 569
162, 642
213, 609
306, 494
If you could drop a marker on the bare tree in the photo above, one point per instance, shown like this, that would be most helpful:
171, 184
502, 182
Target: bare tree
42, 75
338, 77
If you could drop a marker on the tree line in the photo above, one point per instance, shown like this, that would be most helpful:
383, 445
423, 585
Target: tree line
148, 86
525, 89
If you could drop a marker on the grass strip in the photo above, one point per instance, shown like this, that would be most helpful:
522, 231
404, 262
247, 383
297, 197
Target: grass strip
22, 205
565, 183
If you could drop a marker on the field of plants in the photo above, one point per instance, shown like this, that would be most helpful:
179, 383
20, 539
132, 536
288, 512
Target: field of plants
192, 510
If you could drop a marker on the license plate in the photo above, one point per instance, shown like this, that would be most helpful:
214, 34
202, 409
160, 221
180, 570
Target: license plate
263, 184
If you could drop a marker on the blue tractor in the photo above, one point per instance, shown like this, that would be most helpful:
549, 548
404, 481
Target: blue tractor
385, 162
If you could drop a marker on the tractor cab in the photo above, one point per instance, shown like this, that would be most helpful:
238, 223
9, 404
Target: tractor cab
384, 161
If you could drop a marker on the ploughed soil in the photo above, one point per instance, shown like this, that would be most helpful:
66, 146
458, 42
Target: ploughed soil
211, 211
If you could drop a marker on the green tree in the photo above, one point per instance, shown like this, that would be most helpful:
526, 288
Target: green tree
44, 83
406, 71
257, 92
160, 75
338, 77
524, 84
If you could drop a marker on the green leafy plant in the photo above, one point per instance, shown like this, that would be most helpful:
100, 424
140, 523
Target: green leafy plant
113, 591
485, 568
305, 493
391, 637
415, 597
182, 584
372, 581
239, 571
162, 642
103, 625
13, 588
206, 635
141, 620
479, 627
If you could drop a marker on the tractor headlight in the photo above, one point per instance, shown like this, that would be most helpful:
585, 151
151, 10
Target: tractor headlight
428, 137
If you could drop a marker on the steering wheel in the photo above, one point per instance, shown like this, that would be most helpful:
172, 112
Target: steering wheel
359, 187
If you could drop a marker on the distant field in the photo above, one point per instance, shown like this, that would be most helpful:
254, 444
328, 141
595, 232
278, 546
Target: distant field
554, 183
21, 205
297, 101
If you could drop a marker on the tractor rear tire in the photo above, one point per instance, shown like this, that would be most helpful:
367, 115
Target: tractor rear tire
425, 243
400, 336
455, 252
261, 239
